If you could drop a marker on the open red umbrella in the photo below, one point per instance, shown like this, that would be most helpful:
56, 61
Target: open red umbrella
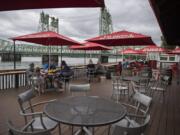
131, 51
90, 46
46, 38
153, 48
123, 38
175, 51
35, 4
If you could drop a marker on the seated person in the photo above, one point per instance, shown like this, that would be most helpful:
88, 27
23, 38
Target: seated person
100, 69
65, 71
52, 65
125, 63
119, 68
90, 68
40, 83
30, 72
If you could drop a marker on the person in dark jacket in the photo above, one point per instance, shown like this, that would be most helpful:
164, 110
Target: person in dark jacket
65, 70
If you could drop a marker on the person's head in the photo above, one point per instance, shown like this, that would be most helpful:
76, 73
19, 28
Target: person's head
31, 65
63, 63
37, 69
90, 61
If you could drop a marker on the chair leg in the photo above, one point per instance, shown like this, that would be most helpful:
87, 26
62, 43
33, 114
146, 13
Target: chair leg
109, 129
59, 126
72, 130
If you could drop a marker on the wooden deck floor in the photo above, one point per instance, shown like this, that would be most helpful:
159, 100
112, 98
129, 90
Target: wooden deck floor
165, 115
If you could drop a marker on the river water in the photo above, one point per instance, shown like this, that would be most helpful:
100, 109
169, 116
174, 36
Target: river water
25, 61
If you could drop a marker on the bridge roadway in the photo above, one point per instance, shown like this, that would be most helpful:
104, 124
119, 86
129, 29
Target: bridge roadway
31, 49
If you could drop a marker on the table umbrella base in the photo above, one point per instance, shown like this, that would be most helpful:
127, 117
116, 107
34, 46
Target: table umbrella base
83, 131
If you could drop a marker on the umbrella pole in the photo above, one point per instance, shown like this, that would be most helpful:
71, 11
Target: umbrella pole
14, 55
49, 56
122, 53
85, 57
116, 55
61, 54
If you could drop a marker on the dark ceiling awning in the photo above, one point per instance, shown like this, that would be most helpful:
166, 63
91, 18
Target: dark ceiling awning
167, 14
37, 4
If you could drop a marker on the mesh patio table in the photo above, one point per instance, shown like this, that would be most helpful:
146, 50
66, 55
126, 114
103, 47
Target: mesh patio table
85, 111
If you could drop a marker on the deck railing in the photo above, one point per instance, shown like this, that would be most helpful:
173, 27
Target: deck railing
10, 79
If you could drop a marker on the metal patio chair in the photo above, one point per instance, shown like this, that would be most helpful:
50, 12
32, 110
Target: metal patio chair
26, 130
139, 87
139, 108
119, 87
91, 74
133, 127
79, 88
161, 86
27, 111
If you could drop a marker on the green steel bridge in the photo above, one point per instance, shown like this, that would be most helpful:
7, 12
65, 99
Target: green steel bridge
38, 50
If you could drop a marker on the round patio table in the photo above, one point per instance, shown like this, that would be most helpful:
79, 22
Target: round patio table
85, 111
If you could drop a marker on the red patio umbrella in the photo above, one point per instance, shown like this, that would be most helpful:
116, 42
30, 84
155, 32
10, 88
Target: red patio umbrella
131, 51
46, 38
122, 38
35, 4
90, 46
175, 51
153, 48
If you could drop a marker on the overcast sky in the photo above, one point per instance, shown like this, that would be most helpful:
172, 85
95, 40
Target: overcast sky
83, 23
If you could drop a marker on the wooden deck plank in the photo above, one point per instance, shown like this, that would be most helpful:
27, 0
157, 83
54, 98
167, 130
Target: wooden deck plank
177, 111
170, 111
165, 116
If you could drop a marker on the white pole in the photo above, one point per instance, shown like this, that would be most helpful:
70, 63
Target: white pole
49, 48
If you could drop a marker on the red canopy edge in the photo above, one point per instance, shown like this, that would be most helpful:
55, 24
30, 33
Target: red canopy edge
38, 4
131, 51
122, 38
46, 38
153, 49
90, 46
175, 51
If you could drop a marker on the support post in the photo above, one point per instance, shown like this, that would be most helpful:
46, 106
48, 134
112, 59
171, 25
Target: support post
61, 56
14, 54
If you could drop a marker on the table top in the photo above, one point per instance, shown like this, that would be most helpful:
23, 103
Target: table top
85, 111
110, 64
132, 78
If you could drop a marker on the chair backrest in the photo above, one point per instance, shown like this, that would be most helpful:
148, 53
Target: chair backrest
26, 97
75, 88
142, 100
14, 131
91, 71
163, 82
137, 130
118, 83
135, 87
144, 81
